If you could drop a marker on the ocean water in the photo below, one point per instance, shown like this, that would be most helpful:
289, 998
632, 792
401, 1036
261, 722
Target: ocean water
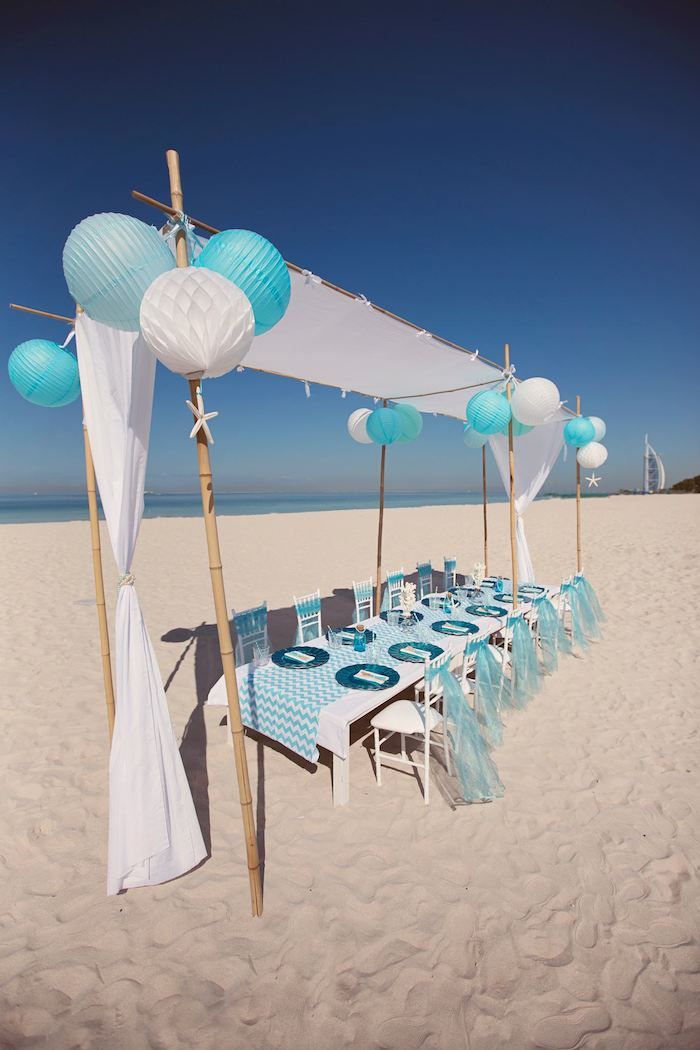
20, 509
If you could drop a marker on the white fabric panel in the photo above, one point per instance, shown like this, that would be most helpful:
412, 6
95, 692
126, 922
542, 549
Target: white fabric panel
326, 337
535, 454
154, 834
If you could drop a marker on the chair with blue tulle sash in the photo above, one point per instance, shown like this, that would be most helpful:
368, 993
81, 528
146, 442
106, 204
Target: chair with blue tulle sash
415, 719
450, 573
392, 591
425, 579
251, 631
308, 617
364, 600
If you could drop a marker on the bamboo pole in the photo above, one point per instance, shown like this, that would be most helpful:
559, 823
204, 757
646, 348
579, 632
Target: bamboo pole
99, 582
217, 584
380, 528
95, 544
485, 502
511, 473
42, 313
578, 499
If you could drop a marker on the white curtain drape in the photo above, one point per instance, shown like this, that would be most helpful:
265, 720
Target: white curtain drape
535, 455
154, 834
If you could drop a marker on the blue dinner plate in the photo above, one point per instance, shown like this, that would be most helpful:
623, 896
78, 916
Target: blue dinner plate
397, 651
347, 676
443, 627
281, 658
415, 616
531, 588
486, 610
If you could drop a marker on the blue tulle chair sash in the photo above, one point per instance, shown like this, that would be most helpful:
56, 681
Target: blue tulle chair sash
488, 689
524, 673
474, 767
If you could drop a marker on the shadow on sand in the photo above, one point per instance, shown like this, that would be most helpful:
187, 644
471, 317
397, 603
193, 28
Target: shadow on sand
337, 610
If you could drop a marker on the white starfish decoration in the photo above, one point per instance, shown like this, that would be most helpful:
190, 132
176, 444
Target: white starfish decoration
201, 417
593, 480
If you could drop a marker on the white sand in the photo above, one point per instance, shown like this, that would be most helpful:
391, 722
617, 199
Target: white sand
565, 915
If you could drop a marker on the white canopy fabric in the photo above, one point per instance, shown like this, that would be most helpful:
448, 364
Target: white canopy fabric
336, 340
330, 338
535, 454
154, 834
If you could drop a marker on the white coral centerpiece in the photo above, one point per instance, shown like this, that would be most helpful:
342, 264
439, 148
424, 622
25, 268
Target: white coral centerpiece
407, 599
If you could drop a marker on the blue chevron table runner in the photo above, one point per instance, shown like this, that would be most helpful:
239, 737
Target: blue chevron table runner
285, 705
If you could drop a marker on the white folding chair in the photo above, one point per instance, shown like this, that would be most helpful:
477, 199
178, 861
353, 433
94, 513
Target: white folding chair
364, 600
251, 630
394, 583
308, 617
425, 579
450, 573
415, 719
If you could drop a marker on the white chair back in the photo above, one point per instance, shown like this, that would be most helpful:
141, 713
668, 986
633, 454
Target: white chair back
308, 610
364, 600
450, 573
425, 579
251, 630
394, 583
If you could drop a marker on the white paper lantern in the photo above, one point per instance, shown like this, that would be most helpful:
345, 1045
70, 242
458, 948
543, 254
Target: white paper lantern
599, 427
534, 401
196, 322
592, 455
357, 425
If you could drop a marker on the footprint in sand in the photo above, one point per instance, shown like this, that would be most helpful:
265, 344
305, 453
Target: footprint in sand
565, 1031
586, 928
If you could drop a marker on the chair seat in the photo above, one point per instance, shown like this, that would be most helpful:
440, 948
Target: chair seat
405, 716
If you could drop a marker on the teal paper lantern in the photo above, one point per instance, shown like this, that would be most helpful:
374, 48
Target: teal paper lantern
411, 422
518, 428
579, 431
473, 439
44, 373
384, 426
488, 411
109, 261
255, 265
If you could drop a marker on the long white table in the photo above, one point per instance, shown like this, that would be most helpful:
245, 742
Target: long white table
337, 717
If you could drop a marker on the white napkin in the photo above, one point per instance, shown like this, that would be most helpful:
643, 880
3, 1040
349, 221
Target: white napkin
300, 658
370, 676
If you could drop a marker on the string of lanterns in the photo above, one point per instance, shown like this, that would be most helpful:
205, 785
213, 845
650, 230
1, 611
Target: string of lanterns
198, 320
533, 403
384, 426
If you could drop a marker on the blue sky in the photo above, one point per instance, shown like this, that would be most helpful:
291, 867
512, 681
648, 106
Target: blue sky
524, 173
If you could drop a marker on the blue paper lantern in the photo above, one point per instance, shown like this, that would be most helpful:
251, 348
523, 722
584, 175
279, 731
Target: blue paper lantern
411, 422
488, 411
518, 428
44, 373
579, 431
473, 439
109, 261
255, 265
384, 426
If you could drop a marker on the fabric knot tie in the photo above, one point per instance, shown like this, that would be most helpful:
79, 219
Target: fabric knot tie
310, 278
181, 223
126, 579
363, 299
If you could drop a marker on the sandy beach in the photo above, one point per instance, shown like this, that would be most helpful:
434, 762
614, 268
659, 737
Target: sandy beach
566, 914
